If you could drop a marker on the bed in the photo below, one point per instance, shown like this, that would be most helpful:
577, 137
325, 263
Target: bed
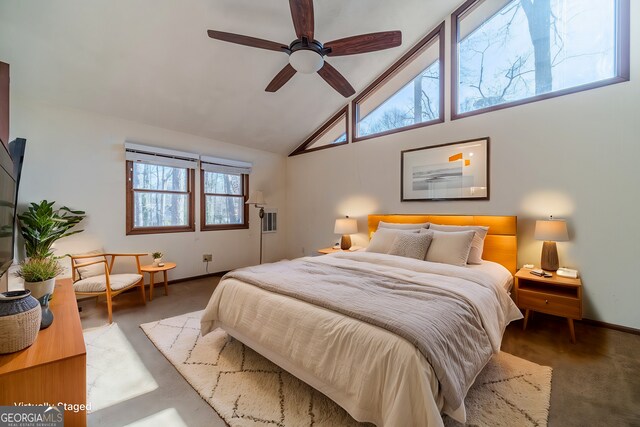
350, 324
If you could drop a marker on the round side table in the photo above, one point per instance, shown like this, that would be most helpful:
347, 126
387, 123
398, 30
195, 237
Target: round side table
152, 270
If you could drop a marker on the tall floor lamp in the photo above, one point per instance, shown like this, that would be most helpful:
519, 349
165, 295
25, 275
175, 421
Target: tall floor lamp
257, 200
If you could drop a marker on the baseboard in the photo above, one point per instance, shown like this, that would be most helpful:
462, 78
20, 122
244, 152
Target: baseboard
202, 276
613, 326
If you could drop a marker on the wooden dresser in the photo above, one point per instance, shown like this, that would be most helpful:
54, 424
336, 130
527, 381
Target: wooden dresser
53, 369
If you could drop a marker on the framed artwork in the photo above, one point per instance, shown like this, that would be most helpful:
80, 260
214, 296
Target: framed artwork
454, 171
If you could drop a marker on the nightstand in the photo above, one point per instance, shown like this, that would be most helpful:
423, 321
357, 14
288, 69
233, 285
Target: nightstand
559, 296
328, 250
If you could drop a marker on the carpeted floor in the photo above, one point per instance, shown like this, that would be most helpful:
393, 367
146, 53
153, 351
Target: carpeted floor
243, 386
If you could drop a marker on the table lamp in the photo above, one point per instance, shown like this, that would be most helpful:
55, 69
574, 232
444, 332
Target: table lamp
550, 231
345, 227
257, 200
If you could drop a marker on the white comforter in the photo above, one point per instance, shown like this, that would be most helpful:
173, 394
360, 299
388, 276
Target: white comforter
374, 374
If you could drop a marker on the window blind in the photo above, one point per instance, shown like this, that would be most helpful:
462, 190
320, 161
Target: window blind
160, 156
220, 165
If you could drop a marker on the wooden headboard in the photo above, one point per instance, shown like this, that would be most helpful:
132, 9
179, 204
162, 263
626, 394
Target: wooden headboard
500, 245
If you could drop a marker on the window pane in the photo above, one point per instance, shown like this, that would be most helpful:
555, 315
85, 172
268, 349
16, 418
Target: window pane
224, 210
160, 209
155, 177
521, 49
222, 183
416, 102
334, 133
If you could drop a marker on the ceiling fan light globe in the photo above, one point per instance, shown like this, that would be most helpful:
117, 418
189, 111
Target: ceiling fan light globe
306, 61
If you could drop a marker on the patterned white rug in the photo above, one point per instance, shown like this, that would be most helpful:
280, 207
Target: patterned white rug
246, 389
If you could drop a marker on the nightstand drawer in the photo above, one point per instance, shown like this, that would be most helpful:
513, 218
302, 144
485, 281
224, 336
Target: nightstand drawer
549, 303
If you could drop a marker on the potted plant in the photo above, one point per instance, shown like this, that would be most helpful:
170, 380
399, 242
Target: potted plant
41, 226
39, 275
157, 258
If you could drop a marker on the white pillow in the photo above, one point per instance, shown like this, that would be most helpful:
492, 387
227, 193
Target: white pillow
411, 245
90, 270
450, 247
383, 238
398, 226
477, 246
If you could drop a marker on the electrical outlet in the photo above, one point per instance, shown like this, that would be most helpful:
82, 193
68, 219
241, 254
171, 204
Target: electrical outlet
207, 257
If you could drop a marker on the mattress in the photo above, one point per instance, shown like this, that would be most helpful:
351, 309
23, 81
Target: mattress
375, 375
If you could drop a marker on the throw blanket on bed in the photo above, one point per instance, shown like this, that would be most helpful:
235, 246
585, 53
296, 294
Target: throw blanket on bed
428, 309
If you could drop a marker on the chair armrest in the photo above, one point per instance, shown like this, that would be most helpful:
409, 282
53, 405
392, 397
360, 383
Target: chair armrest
86, 256
127, 254
85, 264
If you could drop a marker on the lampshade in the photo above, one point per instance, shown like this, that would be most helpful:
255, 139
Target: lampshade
346, 226
554, 230
256, 198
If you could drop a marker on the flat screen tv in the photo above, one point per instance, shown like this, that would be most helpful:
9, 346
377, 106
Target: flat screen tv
8, 198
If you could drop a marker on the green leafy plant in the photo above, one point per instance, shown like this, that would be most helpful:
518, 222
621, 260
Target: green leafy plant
41, 225
156, 255
39, 269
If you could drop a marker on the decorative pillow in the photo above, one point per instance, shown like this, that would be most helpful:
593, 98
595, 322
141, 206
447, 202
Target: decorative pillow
411, 245
398, 226
90, 270
451, 247
477, 246
383, 238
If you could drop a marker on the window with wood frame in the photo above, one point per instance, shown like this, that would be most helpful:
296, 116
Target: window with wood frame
333, 133
511, 52
224, 189
408, 95
160, 186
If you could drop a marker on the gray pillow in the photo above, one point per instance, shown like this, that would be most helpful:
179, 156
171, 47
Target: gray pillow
450, 247
411, 245
477, 245
402, 226
383, 238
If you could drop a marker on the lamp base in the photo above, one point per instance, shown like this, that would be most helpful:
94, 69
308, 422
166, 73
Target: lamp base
345, 242
549, 259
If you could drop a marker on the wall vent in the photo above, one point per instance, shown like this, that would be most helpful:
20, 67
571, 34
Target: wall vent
270, 222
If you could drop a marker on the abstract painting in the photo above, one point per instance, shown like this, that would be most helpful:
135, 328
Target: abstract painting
454, 171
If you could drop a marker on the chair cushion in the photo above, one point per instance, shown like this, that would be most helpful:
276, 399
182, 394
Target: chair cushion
99, 283
90, 270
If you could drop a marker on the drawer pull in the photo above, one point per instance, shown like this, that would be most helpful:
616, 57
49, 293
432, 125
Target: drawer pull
546, 301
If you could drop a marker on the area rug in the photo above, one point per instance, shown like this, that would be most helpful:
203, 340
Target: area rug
115, 373
246, 389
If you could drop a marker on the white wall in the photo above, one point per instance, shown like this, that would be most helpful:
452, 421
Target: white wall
77, 159
575, 157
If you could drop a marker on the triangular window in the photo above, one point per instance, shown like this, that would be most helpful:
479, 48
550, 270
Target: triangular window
409, 94
331, 134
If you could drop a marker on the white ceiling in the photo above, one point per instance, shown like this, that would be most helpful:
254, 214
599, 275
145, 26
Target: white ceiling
151, 61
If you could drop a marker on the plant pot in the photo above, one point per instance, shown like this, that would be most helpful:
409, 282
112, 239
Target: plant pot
40, 289
157, 261
20, 316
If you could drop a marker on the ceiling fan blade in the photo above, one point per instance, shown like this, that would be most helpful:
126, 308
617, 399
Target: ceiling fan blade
302, 14
364, 43
336, 80
247, 41
281, 78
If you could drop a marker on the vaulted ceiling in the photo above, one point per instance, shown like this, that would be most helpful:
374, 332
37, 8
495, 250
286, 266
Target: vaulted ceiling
151, 61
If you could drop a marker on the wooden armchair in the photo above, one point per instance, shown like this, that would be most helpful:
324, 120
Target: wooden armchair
91, 274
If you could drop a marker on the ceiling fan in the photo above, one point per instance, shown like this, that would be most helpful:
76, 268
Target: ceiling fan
306, 54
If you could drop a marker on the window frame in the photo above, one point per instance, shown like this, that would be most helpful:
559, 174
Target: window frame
130, 205
390, 72
302, 148
203, 205
622, 56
